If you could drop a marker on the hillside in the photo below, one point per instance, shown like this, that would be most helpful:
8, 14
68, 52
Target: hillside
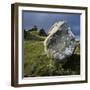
36, 62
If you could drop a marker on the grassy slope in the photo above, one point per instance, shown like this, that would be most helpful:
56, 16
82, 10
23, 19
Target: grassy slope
38, 64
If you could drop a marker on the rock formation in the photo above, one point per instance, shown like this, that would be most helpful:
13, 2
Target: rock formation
60, 43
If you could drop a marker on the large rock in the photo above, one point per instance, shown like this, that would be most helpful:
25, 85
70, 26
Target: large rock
60, 43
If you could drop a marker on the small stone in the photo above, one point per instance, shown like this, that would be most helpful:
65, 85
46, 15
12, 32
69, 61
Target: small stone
60, 43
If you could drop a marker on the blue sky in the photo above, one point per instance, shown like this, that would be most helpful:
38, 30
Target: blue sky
45, 20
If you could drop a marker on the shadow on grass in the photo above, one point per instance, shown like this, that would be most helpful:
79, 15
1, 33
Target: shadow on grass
73, 63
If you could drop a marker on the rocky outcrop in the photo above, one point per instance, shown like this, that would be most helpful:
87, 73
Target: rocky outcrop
60, 43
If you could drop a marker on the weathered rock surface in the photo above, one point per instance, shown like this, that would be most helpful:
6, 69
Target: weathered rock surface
60, 43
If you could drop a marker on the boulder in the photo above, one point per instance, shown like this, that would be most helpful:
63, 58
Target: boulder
60, 42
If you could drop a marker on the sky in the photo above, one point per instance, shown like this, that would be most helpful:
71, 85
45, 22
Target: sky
45, 20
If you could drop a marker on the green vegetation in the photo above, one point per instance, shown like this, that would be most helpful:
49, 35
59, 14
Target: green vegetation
36, 62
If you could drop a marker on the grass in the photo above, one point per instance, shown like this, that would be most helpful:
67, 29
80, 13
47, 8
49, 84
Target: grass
36, 62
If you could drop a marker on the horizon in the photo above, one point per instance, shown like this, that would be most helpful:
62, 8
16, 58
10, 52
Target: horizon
45, 20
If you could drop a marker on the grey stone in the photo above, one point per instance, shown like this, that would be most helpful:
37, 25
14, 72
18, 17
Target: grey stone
60, 43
